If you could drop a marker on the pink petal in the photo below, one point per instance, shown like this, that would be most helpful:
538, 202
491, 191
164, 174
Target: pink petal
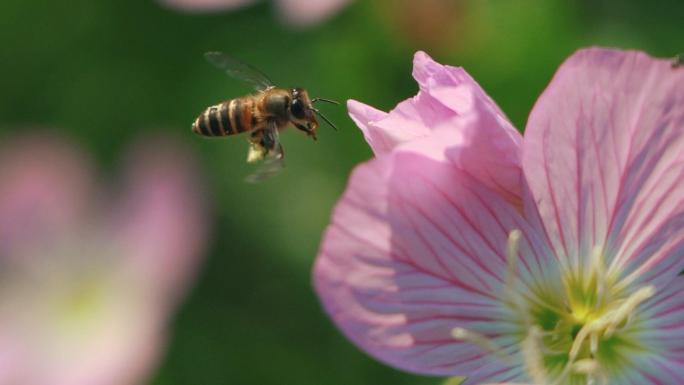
416, 248
306, 12
449, 98
486, 151
365, 118
497, 371
654, 370
604, 157
163, 220
440, 85
445, 93
45, 189
661, 322
206, 5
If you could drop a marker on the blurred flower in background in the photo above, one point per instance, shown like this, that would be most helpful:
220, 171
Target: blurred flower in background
462, 249
296, 12
434, 25
89, 275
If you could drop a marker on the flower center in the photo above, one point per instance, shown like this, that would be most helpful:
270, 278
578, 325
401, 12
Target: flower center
576, 332
577, 335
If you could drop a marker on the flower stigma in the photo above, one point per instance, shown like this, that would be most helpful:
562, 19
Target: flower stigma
577, 332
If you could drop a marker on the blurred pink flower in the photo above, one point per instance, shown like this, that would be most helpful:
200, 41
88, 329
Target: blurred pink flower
463, 249
89, 281
297, 12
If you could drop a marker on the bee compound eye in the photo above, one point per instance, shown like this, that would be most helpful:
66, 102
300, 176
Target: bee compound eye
297, 109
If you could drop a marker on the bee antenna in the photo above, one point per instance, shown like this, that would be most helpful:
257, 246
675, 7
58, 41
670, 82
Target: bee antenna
324, 118
314, 100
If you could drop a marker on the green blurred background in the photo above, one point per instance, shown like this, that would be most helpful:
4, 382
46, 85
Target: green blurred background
105, 72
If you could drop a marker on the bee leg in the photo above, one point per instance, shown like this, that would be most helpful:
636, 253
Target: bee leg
309, 132
270, 144
267, 140
256, 151
263, 139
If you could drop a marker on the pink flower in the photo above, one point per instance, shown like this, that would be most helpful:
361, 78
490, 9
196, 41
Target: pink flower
297, 12
88, 280
464, 249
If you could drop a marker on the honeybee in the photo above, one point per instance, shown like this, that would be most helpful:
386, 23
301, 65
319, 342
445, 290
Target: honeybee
262, 115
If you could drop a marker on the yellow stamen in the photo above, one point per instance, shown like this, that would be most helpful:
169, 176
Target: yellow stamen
586, 366
532, 352
512, 247
610, 321
512, 256
622, 313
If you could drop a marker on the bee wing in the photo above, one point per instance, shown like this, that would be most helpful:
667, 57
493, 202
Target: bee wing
271, 153
240, 70
270, 167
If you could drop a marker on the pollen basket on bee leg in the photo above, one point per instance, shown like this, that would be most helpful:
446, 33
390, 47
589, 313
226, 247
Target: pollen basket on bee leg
255, 153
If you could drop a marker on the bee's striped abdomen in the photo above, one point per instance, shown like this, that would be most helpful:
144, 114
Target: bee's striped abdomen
230, 117
212, 121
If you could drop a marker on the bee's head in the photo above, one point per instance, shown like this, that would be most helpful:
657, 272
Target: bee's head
303, 113
302, 110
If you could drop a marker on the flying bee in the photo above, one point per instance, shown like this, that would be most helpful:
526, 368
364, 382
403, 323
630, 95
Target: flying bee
262, 115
